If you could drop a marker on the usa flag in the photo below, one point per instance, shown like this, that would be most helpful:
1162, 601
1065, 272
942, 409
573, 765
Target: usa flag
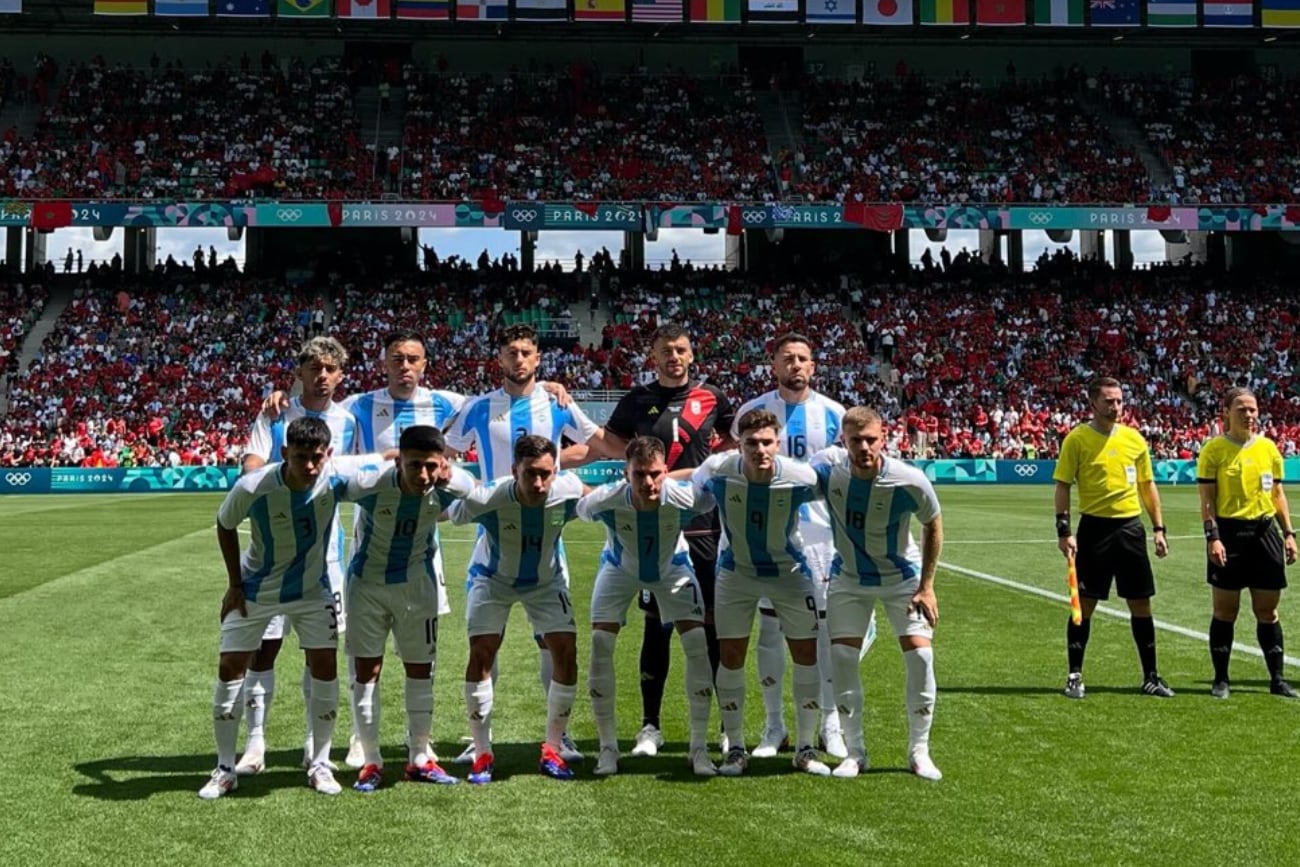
669, 11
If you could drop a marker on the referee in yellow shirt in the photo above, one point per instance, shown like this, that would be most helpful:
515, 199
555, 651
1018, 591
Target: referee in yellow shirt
1112, 465
1239, 476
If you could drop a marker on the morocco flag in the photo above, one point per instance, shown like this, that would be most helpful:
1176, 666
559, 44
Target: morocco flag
363, 9
1000, 13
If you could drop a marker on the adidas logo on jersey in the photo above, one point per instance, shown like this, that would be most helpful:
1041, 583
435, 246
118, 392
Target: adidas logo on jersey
385, 511
511, 527
734, 498
383, 413
626, 528
654, 410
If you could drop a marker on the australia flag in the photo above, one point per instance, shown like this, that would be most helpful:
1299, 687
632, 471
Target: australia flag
1114, 13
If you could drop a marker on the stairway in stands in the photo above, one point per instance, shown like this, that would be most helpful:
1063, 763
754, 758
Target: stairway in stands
60, 297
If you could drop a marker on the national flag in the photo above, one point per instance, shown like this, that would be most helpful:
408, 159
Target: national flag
121, 7
51, 215
1000, 13
1171, 13
878, 218
11, 7
658, 11
773, 11
243, 8
831, 11
946, 11
1114, 13
181, 8
715, 11
1058, 13
599, 10
1229, 13
304, 9
426, 10
482, 10
541, 10
363, 9
888, 13
1279, 13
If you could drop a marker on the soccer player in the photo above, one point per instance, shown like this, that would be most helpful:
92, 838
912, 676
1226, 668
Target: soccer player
1112, 465
645, 551
519, 558
810, 423
871, 502
686, 417
759, 495
493, 423
393, 587
291, 507
320, 371
1239, 477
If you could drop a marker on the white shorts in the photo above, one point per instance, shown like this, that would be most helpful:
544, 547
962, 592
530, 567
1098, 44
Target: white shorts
277, 629
678, 595
737, 596
488, 607
818, 554
852, 604
408, 610
314, 620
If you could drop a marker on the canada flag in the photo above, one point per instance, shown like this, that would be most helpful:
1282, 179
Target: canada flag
363, 8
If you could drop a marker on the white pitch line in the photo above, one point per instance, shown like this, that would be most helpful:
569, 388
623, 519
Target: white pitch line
947, 542
1105, 609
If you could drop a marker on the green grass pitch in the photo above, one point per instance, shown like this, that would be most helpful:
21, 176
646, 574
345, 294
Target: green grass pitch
108, 612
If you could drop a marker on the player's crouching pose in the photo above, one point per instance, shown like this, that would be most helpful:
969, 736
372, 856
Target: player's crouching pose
519, 558
871, 502
645, 550
393, 587
759, 495
291, 507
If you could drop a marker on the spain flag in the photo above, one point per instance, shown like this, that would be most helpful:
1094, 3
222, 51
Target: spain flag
599, 10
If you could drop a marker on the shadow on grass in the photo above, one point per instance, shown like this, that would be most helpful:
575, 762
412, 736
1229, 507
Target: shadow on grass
136, 778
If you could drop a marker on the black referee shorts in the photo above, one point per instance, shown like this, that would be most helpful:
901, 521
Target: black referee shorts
1113, 550
1256, 556
704, 560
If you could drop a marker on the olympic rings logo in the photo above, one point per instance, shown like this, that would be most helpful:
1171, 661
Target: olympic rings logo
18, 480
1041, 218
288, 215
753, 216
1025, 471
526, 215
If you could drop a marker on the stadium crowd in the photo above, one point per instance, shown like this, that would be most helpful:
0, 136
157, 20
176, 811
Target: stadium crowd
249, 128
968, 361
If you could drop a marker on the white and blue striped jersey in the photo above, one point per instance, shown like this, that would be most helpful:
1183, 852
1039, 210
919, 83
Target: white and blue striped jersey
286, 558
520, 545
266, 440
760, 521
495, 421
646, 545
381, 418
806, 429
395, 539
872, 518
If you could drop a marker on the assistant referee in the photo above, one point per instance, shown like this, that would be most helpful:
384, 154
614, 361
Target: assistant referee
1112, 465
1239, 477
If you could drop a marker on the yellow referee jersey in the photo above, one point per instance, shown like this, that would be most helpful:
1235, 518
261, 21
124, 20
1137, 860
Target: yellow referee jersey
1245, 476
1107, 469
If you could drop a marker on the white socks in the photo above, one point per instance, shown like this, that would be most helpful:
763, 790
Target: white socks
771, 669
419, 718
699, 685
225, 720
601, 685
324, 709
559, 707
478, 704
848, 695
365, 710
259, 690
919, 694
807, 704
731, 704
